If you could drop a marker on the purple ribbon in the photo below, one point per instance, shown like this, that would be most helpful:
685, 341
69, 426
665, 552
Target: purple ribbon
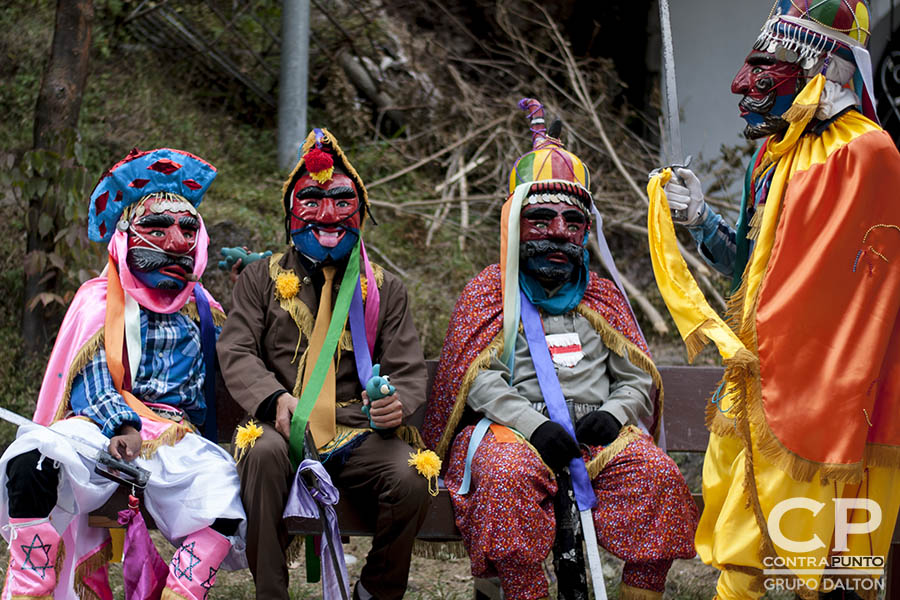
373, 299
143, 571
315, 502
554, 399
361, 354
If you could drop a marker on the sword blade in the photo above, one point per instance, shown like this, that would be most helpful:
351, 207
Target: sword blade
590, 541
673, 152
83, 448
128, 474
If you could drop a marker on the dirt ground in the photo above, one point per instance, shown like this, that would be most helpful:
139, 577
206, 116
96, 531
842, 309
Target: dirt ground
432, 579
444, 578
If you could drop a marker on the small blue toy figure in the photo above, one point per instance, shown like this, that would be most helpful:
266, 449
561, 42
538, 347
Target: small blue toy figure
377, 388
232, 255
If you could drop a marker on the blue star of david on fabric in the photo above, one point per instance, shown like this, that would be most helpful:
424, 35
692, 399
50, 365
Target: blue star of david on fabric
29, 564
210, 581
185, 572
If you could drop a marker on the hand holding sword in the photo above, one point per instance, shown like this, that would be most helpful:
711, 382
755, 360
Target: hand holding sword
112, 464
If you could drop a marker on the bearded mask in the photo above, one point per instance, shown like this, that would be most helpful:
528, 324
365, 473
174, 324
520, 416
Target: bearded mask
552, 233
799, 41
768, 87
162, 242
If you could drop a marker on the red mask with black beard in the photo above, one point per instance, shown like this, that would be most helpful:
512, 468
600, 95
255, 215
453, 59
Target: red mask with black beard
768, 87
551, 241
162, 244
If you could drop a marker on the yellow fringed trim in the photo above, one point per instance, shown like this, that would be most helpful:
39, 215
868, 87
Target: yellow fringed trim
882, 455
625, 348
299, 312
627, 592
343, 435
800, 113
755, 225
301, 364
295, 550
696, 341
439, 550
81, 360
478, 365
86, 568
169, 437
170, 594
627, 434
190, 311
410, 434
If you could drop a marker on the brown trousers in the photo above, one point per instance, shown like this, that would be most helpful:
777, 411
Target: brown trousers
376, 479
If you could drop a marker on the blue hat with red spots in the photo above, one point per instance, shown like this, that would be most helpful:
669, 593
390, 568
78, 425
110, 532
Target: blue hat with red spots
141, 174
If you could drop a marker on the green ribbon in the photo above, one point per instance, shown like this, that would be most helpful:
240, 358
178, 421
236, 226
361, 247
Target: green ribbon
312, 387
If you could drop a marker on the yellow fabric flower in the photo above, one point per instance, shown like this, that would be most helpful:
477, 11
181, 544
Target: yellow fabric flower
287, 285
246, 437
428, 465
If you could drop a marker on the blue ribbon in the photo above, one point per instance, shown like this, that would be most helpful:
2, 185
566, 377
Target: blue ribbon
208, 347
554, 399
478, 433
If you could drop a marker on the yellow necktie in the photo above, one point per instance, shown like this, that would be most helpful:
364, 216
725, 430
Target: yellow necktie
321, 419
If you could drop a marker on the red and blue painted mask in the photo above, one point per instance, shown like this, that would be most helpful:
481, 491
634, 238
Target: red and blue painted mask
768, 86
162, 242
325, 216
553, 232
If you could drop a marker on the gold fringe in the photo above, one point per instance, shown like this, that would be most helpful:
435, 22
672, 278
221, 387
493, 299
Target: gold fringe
299, 312
625, 348
755, 224
800, 112
170, 594
627, 434
190, 311
169, 437
882, 455
627, 592
696, 341
81, 360
82, 571
295, 551
478, 365
439, 550
410, 434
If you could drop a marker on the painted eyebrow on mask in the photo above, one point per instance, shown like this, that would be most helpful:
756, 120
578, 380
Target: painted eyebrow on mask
189, 222
344, 191
156, 221
539, 213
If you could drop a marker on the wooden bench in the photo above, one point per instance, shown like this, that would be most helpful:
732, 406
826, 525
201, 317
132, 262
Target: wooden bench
687, 390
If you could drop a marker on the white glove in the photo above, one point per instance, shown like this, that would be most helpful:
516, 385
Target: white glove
686, 203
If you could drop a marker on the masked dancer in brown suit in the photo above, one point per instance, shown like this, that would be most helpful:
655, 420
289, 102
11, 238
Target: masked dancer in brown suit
270, 356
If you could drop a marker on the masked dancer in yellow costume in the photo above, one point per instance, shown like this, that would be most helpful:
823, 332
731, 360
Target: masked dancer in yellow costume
801, 469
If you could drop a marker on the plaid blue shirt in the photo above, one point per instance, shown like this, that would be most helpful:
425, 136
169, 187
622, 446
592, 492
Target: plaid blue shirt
171, 372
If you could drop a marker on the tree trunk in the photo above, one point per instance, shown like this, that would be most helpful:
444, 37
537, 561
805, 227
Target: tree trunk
55, 122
